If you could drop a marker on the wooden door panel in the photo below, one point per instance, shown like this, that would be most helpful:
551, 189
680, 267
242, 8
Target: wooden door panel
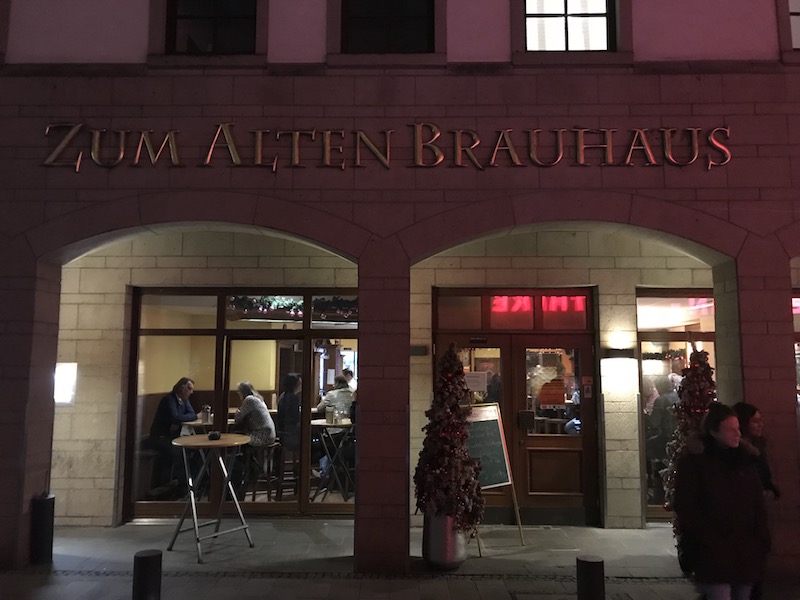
555, 471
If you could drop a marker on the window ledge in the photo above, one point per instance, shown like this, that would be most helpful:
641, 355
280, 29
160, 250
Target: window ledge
204, 61
541, 59
387, 60
791, 57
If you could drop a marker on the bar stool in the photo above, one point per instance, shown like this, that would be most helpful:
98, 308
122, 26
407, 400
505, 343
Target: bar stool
555, 425
259, 465
287, 460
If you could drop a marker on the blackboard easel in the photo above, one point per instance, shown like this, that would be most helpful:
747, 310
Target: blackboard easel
487, 442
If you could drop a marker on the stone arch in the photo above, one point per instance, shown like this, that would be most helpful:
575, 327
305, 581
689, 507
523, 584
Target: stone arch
568, 212
49, 245
686, 227
789, 238
67, 236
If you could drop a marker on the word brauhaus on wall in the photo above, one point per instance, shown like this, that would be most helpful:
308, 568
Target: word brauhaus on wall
427, 146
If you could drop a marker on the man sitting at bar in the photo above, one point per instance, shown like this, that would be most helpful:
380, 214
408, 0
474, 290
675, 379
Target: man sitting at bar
173, 411
339, 400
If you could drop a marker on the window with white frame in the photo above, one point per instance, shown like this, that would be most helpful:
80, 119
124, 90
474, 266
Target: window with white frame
569, 25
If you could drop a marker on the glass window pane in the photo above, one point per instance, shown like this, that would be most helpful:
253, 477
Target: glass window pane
564, 312
333, 440
178, 312
396, 26
340, 312
545, 34
264, 312
255, 361
587, 33
662, 365
538, 7
794, 5
511, 312
586, 6
195, 8
459, 312
552, 388
195, 36
163, 361
482, 369
235, 36
236, 8
797, 368
675, 314
795, 22
796, 313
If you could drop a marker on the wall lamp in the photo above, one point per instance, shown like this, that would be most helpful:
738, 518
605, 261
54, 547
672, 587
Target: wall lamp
619, 353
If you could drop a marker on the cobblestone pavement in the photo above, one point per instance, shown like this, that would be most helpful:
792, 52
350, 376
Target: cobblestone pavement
312, 559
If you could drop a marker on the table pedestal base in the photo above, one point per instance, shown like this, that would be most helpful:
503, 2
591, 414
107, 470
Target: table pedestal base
191, 503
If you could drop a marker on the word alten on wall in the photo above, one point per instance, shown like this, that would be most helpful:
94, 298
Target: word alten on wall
427, 147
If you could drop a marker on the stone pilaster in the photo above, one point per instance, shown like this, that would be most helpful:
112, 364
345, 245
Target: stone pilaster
382, 502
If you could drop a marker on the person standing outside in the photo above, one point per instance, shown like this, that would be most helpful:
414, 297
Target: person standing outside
719, 503
752, 427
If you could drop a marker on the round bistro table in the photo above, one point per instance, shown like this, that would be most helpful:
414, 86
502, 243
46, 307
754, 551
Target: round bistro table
209, 449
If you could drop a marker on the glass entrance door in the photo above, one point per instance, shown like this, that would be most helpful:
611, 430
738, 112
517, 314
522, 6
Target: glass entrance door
556, 461
545, 388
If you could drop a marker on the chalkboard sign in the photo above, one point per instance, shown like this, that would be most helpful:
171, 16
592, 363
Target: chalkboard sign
488, 443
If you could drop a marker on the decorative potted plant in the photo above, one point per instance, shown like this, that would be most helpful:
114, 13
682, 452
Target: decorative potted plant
446, 477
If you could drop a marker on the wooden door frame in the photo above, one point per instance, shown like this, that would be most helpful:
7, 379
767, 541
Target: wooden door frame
584, 344
510, 345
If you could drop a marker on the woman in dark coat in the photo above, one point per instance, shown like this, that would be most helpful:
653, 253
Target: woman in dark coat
752, 428
720, 507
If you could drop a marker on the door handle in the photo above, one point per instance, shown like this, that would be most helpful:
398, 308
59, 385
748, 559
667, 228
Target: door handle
525, 419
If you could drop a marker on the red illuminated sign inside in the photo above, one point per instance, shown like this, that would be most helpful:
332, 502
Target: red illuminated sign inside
564, 304
512, 304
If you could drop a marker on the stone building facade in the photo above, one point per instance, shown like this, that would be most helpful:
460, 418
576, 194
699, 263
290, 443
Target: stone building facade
665, 163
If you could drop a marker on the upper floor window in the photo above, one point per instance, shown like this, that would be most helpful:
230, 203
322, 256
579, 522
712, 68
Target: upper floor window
211, 27
569, 25
794, 22
387, 27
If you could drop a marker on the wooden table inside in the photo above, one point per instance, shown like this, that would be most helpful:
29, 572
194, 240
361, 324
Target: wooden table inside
333, 452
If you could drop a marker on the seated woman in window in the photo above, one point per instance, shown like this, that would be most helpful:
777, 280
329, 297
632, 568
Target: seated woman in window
253, 417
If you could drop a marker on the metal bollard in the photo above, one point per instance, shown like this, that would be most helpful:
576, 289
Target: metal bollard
591, 579
43, 510
147, 575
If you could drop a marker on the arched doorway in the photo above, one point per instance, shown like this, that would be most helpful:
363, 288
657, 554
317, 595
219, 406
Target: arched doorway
600, 474
214, 304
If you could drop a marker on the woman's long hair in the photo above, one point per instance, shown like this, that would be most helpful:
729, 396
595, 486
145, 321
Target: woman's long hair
246, 389
744, 412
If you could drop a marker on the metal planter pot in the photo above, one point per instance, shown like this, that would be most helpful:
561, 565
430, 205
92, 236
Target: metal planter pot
443, 547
